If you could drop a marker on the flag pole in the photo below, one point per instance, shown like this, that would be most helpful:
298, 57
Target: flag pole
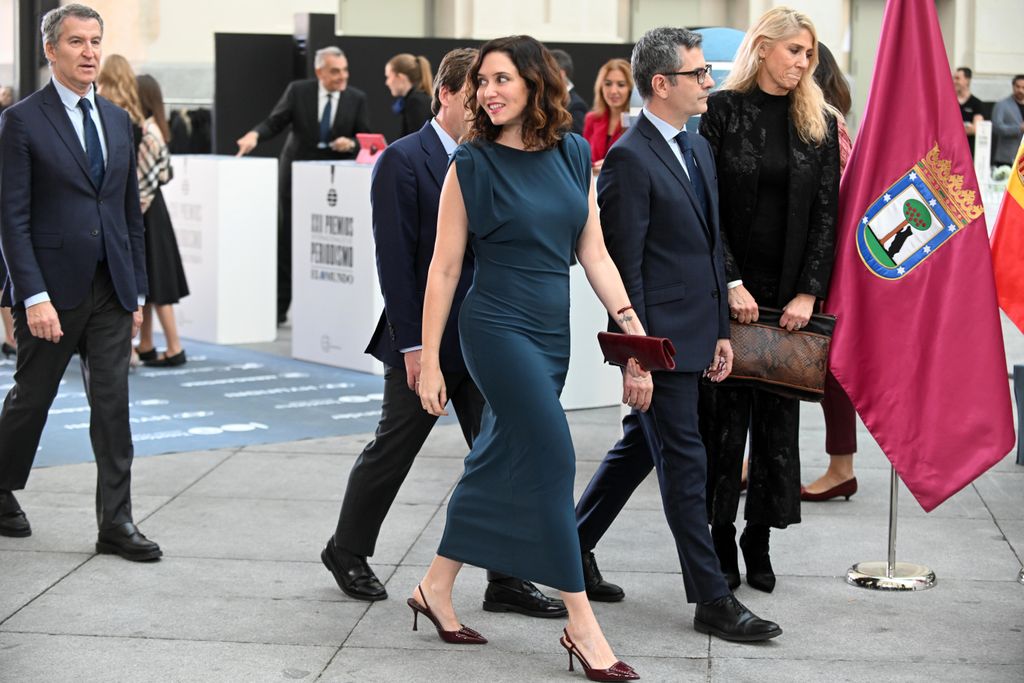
891, 575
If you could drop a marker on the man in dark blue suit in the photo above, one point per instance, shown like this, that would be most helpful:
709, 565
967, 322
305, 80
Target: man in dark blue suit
405, 190
72, 239
659, 212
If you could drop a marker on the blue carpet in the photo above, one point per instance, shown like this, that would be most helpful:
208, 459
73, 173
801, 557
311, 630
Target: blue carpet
223, 397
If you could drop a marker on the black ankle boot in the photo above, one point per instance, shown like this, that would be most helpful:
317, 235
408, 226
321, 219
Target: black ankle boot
754, 544
724, 538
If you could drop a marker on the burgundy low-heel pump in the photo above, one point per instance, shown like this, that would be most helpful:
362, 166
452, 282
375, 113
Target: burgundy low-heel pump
464, 636
619, 671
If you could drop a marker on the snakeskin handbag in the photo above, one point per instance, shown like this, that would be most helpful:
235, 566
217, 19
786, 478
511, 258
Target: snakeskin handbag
771, 358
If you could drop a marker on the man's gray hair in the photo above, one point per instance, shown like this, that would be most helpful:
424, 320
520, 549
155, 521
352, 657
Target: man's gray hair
53, 21
323, 53
656, 53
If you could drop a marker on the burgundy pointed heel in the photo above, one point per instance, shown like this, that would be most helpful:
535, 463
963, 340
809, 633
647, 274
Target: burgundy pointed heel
844, 490
464, 636
619, 671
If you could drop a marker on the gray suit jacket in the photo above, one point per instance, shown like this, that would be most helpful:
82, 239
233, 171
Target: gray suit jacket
1006, 120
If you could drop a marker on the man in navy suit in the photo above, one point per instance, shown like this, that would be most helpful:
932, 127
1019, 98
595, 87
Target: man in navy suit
72, 239
322, 116
404, 191
659, 212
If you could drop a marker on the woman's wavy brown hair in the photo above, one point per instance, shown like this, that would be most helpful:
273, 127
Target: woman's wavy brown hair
545, 119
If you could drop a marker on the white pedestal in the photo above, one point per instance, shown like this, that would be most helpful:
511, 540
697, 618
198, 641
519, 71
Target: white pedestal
591, 383
336, 299
224, 211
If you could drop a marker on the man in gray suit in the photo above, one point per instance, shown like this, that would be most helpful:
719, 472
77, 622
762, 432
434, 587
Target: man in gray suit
1008, 125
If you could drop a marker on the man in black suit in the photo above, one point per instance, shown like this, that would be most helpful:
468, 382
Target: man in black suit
577, 106
72, 238
324, 114
659, 211
405, 190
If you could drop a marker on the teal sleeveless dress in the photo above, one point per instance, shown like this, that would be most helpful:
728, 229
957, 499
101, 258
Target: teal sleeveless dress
512, 510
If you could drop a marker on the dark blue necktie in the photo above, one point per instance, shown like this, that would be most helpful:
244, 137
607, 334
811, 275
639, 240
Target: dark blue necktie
325, 122
696, 181
92, 143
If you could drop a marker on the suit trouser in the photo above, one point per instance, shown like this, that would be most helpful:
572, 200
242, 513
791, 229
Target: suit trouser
664, 438
381, 468
100, 329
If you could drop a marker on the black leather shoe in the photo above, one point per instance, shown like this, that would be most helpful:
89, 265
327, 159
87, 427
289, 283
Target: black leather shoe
517, 595
13, 521
728, 619
128, 542
353, 574
598, 589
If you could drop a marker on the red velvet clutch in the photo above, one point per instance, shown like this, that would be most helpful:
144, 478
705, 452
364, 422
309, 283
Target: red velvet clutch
653, 353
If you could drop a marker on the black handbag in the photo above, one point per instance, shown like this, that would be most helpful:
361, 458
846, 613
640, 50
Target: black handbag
771, 358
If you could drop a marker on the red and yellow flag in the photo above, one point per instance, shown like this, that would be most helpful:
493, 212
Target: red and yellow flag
1008, 245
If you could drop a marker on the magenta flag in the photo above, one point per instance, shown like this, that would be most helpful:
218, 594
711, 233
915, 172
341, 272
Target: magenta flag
918, 344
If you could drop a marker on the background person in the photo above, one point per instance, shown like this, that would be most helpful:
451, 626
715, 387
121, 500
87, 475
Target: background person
404, 191
603, 124
840, 416
322, 116
971, 108
770, 129
409, 80
1008, 124
71, 233
167, 283
520, 192
577, 106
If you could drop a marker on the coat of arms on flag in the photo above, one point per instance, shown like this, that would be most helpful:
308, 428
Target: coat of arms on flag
917, 214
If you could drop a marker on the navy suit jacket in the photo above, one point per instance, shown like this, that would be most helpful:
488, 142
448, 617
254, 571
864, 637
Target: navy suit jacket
667, 250
404, 192
52, 216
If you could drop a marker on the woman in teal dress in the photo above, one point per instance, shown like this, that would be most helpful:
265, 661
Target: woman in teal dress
519, 194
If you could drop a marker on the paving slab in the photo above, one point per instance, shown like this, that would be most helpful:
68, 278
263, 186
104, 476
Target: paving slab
66, 522
166, 475
485, 664
728, 670
979, 621
195, 599
254, 528
315, 476
26, 574
1003, 493
88, 659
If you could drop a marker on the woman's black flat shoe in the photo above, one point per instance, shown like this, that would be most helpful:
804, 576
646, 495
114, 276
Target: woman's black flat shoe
146, 355
165, 361
9, 350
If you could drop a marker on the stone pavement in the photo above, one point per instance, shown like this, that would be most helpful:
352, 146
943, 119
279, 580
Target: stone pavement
241, 595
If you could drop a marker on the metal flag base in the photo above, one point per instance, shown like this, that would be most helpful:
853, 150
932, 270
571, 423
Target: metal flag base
891, 575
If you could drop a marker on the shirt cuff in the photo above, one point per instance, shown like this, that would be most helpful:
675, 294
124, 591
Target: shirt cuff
734, 284
411, 348
142, 299
37, 299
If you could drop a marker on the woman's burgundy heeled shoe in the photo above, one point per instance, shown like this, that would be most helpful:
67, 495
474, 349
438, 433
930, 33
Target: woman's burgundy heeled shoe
845, 490
464, 636
619, 671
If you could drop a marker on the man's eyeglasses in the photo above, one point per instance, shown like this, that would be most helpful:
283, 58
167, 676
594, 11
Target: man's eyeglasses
700, 74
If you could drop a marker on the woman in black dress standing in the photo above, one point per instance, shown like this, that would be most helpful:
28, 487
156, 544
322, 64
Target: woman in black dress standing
775, 144
167, 283
409, 80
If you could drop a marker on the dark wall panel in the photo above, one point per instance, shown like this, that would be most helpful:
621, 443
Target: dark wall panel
254, 70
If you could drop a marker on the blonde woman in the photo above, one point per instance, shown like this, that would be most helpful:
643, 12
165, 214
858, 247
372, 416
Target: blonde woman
602, 125
411, 84
775, 144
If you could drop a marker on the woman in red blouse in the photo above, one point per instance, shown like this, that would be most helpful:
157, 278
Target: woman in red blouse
603, 124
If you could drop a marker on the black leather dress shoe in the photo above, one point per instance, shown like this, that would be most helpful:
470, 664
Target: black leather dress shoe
598, 589
353, 574
13, 521
729, 619
516, 595
128, 542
